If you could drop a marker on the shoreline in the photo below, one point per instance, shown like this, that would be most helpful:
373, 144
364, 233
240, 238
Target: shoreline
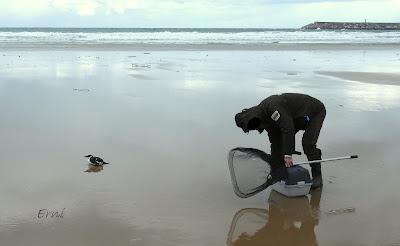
201, 47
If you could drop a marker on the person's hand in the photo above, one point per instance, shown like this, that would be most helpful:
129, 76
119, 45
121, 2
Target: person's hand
288, 161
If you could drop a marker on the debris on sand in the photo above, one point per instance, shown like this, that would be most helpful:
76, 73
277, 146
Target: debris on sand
134, 66
341, 211
332, 179
80, 90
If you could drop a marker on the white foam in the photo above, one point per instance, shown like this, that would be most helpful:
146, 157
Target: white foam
194, 37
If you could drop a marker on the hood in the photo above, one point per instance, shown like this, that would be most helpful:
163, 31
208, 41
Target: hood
243, 118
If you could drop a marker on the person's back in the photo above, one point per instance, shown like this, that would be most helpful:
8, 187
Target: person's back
297, 105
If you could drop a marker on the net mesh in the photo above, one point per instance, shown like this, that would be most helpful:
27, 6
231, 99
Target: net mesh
245, 225
249, 169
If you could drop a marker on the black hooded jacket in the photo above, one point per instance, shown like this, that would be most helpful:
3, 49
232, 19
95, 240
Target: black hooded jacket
285, 114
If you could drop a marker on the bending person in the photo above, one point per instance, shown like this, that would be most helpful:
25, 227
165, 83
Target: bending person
282, 116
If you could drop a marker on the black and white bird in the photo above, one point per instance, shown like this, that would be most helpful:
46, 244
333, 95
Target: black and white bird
96, 160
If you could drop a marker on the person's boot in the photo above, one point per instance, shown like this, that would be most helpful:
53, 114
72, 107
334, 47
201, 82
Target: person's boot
316, 182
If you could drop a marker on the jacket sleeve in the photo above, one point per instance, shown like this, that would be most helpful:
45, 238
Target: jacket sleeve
284, 122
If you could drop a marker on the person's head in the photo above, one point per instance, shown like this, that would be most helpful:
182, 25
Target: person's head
249, 119
254, 124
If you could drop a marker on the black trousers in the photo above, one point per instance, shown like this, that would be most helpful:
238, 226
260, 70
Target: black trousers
309, 142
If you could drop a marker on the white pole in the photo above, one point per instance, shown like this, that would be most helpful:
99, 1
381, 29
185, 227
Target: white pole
326, 160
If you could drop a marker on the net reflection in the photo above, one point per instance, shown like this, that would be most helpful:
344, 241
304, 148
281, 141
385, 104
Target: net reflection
288, 221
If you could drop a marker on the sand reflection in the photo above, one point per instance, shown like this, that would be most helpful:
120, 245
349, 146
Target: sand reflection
288, 221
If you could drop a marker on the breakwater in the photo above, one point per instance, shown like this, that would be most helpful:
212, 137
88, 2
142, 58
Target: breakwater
352, 26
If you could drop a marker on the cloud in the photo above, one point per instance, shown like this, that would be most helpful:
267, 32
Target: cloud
87, 7
193, 13
108, 7
303, 1
121, 6
62, 4
374, 11
24, 7
80, 7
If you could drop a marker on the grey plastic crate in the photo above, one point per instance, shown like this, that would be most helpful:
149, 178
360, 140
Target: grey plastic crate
300, 189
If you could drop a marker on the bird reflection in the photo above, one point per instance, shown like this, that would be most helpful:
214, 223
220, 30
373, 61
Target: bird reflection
288, 221
94, 168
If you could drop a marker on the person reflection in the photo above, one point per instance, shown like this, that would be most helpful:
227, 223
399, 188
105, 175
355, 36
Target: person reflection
289, 221
94, 168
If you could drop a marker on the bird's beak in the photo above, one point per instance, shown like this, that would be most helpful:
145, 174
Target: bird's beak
87, 156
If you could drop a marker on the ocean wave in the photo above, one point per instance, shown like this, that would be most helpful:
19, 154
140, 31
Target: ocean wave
195, 36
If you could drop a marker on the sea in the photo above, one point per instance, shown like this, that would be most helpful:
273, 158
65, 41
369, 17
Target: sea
191, 36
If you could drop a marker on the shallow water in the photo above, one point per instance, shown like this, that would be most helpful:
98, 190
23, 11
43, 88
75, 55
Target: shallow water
164, 121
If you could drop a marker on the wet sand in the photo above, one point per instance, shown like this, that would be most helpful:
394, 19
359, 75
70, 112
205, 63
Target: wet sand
164, 120
365, 77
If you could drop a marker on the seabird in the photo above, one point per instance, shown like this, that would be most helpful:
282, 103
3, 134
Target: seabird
96, 160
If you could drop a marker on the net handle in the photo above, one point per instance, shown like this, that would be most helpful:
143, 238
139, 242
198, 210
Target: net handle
327, 160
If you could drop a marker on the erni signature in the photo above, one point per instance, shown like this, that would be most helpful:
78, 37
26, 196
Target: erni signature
48, 214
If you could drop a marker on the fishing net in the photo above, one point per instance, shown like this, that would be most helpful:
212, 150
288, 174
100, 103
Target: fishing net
249, 169
245, 225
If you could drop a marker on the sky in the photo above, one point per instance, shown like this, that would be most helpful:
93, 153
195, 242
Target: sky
192, 13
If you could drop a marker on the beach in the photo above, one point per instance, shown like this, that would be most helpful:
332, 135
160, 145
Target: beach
163, 116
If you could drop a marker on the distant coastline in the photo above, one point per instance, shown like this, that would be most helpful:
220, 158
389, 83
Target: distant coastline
351, 26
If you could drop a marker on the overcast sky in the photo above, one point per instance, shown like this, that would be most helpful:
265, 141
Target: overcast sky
191, 13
